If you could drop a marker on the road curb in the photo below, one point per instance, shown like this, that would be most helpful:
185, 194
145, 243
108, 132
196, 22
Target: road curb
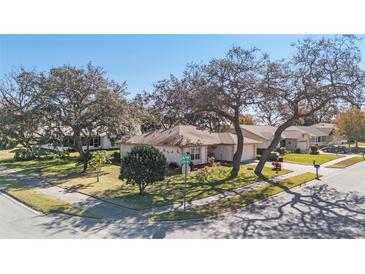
16, 201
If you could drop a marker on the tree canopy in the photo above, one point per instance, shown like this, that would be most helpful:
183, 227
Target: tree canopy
351, 124
322, 72
49, 107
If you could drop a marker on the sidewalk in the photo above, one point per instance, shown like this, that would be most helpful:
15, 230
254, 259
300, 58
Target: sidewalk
99, 207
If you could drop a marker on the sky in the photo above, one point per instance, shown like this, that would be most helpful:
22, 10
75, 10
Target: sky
141, 60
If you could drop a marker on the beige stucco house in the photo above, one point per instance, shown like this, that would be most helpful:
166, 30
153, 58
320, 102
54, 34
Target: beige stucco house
293, 137
181, 139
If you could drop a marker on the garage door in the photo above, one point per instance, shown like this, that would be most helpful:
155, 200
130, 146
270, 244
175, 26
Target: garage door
248, 153
302, 145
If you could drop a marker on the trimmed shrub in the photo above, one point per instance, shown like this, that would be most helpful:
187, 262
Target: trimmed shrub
211, 161
314, 149
276, 166
281, 150
24, 154
142, 166
297, 150
274, 156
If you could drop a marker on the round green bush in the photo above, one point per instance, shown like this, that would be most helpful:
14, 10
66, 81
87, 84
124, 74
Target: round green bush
143, 166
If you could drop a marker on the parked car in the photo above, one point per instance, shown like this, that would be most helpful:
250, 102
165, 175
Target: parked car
335, 149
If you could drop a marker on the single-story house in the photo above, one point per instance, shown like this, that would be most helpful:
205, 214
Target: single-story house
98, 140
318, 135
201, 144
101, 141
293, 137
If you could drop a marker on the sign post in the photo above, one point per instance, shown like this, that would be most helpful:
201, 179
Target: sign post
185, 160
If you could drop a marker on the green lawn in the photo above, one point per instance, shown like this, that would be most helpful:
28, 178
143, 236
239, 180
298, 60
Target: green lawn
169, 191
234, 202
66, 174
39, 201
307, 159
53, 170
347, 162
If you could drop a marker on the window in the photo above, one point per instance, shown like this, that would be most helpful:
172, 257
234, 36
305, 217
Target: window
95, 141
195, 153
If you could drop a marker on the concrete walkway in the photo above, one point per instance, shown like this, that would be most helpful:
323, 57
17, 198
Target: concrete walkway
99, 207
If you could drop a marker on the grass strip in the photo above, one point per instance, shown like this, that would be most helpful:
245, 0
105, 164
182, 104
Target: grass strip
234, 202
347, 162
42, 202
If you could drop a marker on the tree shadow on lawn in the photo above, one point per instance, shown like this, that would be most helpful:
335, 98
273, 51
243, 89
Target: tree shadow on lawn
50, 168
322, 213
171, 191
166, 193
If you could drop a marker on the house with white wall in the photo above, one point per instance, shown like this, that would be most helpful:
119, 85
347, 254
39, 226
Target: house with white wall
200, 144
293, 137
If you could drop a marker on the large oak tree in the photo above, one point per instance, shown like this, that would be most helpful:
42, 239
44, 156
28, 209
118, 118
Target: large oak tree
83, 103
227, 87
321, 72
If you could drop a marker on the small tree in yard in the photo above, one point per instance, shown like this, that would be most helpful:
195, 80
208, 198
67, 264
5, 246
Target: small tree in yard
143, 165
351, 124
98, 160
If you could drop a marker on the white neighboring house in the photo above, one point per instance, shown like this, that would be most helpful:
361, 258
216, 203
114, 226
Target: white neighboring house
98, 141
293, 137
181, 139
318, 135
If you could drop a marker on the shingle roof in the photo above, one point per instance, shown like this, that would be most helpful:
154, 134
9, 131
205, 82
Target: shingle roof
326, 130
312, 131
266, 132
330, 125
182, 135
293, 132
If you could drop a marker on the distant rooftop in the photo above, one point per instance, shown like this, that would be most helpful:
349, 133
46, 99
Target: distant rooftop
183, 135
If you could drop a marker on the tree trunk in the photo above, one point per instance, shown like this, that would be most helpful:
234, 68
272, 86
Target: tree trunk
86, 157
141, 189
265, 155
97, 177
78, 148
238, 154
77, 144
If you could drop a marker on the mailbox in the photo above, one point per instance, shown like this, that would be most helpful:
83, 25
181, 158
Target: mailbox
316, 166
